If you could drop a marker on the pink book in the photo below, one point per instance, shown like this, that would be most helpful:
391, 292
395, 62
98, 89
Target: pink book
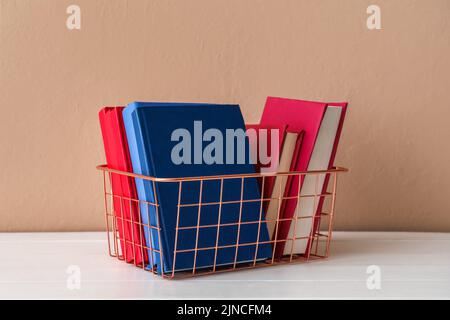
299, 116
309, 117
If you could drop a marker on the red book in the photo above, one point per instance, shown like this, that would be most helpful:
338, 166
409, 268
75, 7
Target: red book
306, 116
126, 210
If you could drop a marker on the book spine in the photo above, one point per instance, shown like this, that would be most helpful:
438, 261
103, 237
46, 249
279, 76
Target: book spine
107, 141
146, 195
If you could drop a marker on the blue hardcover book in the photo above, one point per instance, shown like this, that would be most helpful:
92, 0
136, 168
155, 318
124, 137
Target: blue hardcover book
173, 140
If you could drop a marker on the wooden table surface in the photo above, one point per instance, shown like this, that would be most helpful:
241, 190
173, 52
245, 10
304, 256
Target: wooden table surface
362, 265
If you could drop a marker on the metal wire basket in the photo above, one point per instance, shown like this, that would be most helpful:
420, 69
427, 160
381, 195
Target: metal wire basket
127, 240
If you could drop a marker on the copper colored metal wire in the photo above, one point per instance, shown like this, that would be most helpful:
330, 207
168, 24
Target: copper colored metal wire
319, 238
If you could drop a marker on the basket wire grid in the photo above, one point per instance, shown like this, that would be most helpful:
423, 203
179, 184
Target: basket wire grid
318, 239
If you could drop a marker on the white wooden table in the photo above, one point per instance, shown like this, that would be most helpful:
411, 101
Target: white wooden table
409, 265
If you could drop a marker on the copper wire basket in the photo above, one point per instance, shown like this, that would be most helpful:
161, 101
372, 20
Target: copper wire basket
318, 238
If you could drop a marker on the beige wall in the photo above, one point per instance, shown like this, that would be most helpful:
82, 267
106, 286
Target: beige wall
396, 140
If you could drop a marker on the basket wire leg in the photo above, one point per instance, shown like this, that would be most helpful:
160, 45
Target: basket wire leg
114, 219
239, 224
219, 220
319, 223
108, 229
317, 237
313, 217
198, 227
314, 245
330, 225
150, 236
131, 224
176, 228
124, 239
275, 238
141, 231
259, 221
161, 255
295, 221
116, 241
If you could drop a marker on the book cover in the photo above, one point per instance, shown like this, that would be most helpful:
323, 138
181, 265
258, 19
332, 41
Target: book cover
298, 115
150, 128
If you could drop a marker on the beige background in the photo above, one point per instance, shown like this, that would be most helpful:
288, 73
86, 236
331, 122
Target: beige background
53, 81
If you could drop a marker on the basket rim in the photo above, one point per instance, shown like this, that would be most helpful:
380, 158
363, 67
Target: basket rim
336, 169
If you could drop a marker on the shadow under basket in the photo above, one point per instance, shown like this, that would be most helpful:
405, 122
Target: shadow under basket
128, 235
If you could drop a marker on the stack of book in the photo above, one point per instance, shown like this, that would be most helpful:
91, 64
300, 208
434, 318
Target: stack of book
179, 140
